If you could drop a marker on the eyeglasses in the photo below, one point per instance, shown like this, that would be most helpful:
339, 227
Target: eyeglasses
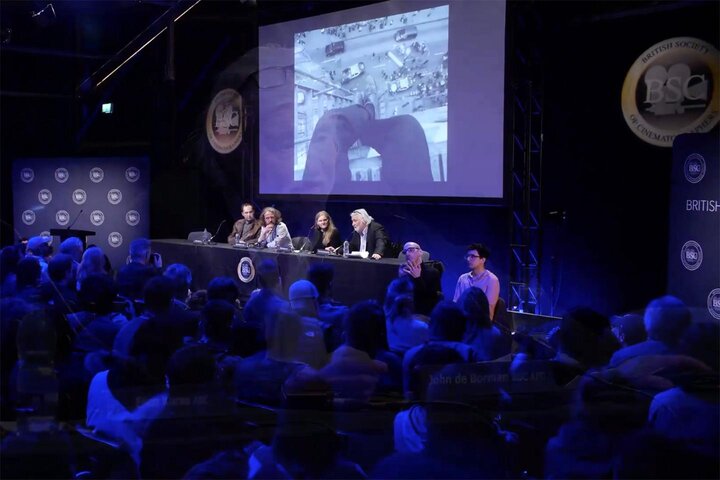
411, 249
471, 255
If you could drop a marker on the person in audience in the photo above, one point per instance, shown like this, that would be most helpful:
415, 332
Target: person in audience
181, 276
330, 312
197, 300
226, 464
403, 329
59, 290
368, 235
248, 227
397, 287
629, 328
9, 258
476, 256
93, 262
666, 319
143, 266
28, 279
96, 326
427, 290
324, 236
265, 303
72, 246
481, 334
311, 347
274, 233
39, 247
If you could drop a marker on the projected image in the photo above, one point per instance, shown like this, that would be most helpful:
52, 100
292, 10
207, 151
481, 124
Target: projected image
371, 101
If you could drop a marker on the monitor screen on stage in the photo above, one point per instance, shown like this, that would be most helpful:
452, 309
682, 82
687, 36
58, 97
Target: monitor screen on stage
401, 98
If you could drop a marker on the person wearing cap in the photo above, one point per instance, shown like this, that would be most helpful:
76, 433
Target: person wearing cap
427, 291
368, 235
311, 347
39, 247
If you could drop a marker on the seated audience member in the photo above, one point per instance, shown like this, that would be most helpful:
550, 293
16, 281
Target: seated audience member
197, 300
410, 430
397, 287
181, 277
311, 344
39, 247
10, 256
195, 409
59, 290
629, 329
223, 288
690, 412
266, 376
274, 233
266, 302
481, 334
447, 327
92, 263
368, 235
217, 320
330, 312
403, 329
27, 281
12, 313
143, 266
72, 246
478, 276
356, 366
247, 229
96, 326
666, 318
324, 236
425, 278
226, 464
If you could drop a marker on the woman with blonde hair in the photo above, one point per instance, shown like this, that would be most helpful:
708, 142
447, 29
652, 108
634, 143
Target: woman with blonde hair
324, 236
274, 233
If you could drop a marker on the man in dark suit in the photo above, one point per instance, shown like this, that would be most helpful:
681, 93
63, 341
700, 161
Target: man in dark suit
248, 227
143, 266
427, 291
368, 235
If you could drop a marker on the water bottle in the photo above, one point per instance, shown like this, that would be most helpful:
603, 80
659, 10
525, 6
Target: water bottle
346, 248
237, 239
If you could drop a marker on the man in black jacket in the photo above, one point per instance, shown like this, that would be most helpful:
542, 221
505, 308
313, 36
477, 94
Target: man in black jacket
427, 290
368, 235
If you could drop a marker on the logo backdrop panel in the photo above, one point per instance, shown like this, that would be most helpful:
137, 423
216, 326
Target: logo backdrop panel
694, 256
113, 194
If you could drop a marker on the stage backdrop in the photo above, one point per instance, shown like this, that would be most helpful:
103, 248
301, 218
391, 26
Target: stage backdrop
694, 256
109, 196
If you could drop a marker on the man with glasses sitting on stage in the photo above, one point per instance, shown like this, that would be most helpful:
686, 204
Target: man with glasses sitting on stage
427, 291
478, 276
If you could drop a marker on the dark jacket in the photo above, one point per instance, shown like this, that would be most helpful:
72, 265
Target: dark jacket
316, 239
377, 239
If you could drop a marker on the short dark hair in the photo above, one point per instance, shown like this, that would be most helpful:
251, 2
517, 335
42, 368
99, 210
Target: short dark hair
158, 293
268, 274
216, 320
365, 327
447, 322
58, 266
482, 250
222, 288
97, 293
321, 275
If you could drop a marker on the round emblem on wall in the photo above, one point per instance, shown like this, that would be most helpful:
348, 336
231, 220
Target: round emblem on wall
45, 196
61, 175
62, 217
28, 217
713, 303
132, 218
132, 174
79, 196
97, 174
694, 168
246, 270
114, 196
27, 175
691, 255
97, 217
115, 239
225, 121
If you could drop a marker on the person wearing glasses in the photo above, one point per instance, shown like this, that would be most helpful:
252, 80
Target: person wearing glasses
274, 233
427, 291
478, 276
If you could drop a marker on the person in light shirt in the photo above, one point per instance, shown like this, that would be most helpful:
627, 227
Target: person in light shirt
274, 233
478, 276
368, 235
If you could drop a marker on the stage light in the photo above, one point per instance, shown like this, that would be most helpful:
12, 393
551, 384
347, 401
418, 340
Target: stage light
107, 108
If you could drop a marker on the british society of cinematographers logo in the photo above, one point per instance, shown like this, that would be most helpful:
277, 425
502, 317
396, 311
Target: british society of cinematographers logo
694, 168
713, 303
673, 88
691, 255
246, 270
225, 121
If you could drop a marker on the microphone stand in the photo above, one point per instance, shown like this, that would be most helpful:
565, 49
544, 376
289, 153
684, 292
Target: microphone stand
210, 240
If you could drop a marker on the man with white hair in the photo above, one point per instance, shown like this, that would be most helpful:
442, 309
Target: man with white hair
427, 291
368, 235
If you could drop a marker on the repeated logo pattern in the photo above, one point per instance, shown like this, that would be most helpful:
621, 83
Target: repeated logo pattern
62, 175
62, 217
97, 174
44, 196
79, 196
114, 196
132, 218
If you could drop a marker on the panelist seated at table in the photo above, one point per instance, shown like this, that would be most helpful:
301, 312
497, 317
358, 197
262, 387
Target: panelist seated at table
368, 235
274, 233
248, 227
324, 234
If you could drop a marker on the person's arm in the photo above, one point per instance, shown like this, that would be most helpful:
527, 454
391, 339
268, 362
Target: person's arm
235, 230
282, 237
381, 241
493, 293
458, 289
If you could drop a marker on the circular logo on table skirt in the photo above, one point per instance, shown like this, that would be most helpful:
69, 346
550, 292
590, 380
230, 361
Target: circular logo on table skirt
224, 122
114, 196
27, 175
44, 196
246, 270
691, 255
132, 218
62, 217
115, 239
97, 174
713, 303
97, 217
673, 88
28, 217
61, 175
694, 168
79, 196
132, 174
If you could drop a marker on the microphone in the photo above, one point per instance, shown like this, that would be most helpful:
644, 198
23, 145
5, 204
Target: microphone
217, 231
76, 219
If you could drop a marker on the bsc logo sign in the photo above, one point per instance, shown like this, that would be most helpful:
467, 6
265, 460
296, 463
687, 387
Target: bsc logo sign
225, 121
115, 239
694, 168
713, 303
96, 174
114, 196
62, 175
27, 175
28, 217
79, 196
246, 270
673, 88
62, 217
691, 255
132, 174
97, 217
44, 196
132, 218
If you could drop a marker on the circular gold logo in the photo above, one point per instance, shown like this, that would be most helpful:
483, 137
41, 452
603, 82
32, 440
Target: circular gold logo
246, 270
225, 121
672, 88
